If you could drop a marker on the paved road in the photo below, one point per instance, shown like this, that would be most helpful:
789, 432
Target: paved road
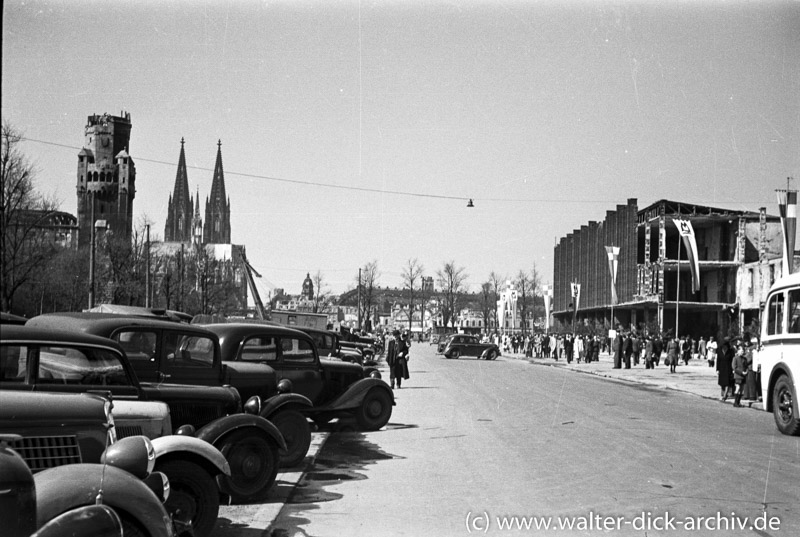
471, 441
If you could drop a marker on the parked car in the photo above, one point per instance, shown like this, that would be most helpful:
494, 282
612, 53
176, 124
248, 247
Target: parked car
40, 359
330, 345
160, 350
459, 345
337, 389
53, 434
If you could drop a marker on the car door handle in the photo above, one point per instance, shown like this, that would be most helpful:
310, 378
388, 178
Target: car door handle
163, 376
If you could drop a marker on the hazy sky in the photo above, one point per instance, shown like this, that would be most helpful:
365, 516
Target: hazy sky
357, 131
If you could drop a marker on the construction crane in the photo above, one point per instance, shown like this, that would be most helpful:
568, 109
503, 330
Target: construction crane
249, 272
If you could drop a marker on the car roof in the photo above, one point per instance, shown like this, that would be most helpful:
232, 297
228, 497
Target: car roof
105, 323
49, 335
786, 282
243, 328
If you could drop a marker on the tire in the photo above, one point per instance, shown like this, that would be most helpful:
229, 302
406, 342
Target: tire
297, 434
253, 458
455, 353
375, 410
491, 355
783, 400
194, 496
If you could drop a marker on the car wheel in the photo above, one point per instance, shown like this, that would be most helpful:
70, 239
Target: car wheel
783, 399
454, 354
375, 410
297, 434
253, 458
491, 355
193, 497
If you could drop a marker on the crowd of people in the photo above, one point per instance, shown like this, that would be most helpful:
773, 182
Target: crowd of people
732, 358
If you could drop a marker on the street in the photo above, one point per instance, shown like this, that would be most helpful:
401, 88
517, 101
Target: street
472, 444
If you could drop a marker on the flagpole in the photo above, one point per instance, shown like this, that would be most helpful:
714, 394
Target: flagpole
678, 292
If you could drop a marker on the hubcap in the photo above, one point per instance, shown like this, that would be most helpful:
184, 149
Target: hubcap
785, 405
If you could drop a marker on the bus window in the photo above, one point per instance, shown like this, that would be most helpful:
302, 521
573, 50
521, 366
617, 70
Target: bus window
775, 315
794, 311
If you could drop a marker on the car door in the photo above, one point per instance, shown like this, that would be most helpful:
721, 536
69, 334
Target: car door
189, 358
298, 362
140, 346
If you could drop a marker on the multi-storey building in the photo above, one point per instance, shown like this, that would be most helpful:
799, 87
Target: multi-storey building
654, 280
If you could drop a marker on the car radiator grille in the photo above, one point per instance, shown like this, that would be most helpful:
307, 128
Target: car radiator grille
42, 452
125, 431
196, 415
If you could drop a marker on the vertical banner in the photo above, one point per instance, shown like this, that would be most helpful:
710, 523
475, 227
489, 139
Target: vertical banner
787, 201
576, 298
687, 234
613, 262
547, 294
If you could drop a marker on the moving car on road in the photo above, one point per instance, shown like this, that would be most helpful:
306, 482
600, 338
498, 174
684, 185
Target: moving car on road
459, 345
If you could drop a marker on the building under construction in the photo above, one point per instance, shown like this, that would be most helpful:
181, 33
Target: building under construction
738, 255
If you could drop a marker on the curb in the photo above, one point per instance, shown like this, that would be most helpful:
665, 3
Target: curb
244, 520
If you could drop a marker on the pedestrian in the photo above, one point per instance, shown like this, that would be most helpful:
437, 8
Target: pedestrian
397, 359
618, 342
628, 350
750, 381
673, 352
702, 348
686, 349
637, 346
580, 349
711, 351
739, 366
658, 347
724, 368
648, 352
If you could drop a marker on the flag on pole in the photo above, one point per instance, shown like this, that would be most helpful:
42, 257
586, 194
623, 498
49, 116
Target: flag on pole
787, 201
547, 294
613, 261
687, 234
576, 295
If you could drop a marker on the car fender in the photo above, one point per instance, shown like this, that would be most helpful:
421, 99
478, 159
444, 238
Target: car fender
182, 445
75, 485
354, 395
282, 400
212, 432
86, 521
781, 368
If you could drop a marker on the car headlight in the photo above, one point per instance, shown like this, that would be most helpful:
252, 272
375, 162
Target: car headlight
374, 374
285, 386
134, 454
253, 406
186, 430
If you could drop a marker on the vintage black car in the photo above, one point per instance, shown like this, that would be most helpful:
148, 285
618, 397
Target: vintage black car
38, 359
53, 434
459, 345
337, 389
330, 345
160, 350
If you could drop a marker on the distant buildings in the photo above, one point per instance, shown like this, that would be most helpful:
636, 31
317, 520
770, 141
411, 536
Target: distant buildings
738, 257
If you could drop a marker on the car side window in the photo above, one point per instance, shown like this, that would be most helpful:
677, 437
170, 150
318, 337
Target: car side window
139, 345
794, 311
259, 349
296, 351
13, 363
72, 365
188, 350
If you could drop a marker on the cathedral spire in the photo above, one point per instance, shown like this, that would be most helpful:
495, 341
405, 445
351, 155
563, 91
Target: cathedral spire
179, 211
217, 223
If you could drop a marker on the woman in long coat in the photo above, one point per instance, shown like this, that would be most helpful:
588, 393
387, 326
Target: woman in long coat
673, 352
397, 359
725, 369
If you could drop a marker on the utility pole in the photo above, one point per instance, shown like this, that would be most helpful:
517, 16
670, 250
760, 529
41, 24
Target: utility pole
147, 270
359, 298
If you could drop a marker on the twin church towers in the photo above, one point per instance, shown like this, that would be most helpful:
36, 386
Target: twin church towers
107, 186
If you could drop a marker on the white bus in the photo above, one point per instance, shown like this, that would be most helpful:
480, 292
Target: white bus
779, 353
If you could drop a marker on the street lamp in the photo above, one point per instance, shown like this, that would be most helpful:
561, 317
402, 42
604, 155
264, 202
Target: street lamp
98, 226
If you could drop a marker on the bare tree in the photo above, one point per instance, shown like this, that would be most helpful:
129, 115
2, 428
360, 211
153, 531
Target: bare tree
488, 304
368, 286
322, 294
25, 243
452, 286
536, 289
524, 290
412, 277
496, 282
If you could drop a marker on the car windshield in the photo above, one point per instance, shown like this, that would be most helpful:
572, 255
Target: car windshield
72, 365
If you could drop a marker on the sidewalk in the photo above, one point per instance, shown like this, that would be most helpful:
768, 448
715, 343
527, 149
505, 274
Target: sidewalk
696, 378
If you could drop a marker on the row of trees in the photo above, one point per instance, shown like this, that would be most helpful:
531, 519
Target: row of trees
451, 291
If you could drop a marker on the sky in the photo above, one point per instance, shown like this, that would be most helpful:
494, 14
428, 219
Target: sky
355, 132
